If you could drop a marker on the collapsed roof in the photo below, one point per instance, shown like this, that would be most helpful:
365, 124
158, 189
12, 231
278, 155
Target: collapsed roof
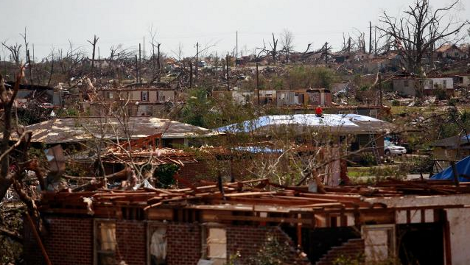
248, 201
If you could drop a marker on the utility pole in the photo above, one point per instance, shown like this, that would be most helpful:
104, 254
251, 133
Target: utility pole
140, 63
380, 90
236, 45
197, 58
375, 41
159, 64
99, 64
190, 74
143, 47
370, 37
257, 80
326, 52
136, 69
158, 57
30, 67
349, 45
228, 78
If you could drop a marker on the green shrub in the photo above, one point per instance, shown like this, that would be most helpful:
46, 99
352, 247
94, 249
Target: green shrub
164, 175
367, 159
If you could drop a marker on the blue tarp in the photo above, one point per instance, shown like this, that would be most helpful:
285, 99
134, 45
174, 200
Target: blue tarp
463, 167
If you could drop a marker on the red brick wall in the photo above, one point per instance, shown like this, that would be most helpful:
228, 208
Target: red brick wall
248, 240
69, 241
184, 244
193, 172
353, 250
205, 170
131, 237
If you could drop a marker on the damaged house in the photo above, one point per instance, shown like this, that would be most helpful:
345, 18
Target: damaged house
140, 101
408, 86
417, 222
83, 138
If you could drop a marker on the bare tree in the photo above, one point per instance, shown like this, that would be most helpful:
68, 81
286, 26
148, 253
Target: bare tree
70, 62
346, 43
287, 40
93, 43
153, 42
419, 30
119, 53
14, 52
156, 63
13, 169
51, 71
468, 46
28, 57
274, 50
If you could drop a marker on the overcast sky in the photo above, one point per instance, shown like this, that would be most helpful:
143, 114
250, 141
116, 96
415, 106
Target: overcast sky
52, 23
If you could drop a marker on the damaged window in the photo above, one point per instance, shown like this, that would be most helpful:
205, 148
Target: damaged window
158, 245
105, 243
145, 96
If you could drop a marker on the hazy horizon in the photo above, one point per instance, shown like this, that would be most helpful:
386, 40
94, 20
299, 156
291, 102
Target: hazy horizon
51, 24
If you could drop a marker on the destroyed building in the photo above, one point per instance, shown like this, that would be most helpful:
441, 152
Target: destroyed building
416, 221
141, 101
408, 86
